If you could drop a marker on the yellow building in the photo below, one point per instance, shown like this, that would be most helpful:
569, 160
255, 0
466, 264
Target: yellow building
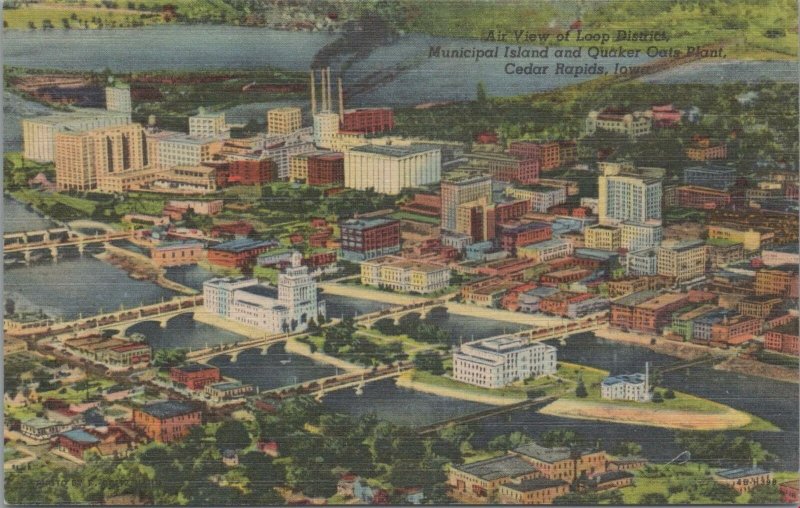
284, 120
751, 238
602, 237
682, 260
82, 158
298, 165
403, 275
479, 482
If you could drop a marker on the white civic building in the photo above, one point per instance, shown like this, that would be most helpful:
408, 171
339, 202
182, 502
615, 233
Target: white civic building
499, 361
287, 308
635, 387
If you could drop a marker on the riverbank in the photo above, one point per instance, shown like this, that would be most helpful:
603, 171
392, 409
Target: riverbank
719, 417
140, 267
416, 380
298, 348
756, 368
682, 350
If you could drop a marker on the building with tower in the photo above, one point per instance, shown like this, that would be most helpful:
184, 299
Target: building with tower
286, 308
635, 387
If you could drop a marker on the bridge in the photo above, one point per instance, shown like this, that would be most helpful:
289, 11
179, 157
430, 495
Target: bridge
53, 239
395, 313
121, 319
358, 379
480, 415
685, 364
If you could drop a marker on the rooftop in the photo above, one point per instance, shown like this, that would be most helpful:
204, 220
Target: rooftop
500, 467
535, 484
367, 223
636, 379
40, 423
636, 298
178, 245
195, 367
80, 436
242, 245
227, 385
662, 301
544, 454
547, 244
741, 472
167, 409
683, 246
392, 151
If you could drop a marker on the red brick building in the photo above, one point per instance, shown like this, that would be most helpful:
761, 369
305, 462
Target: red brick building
326, 169
690, 196
702, 149
558, 303
424, 204
244, 172
239, 228
506, 167
367, 120
790, 491
784, 339
511, 210
176, 253
369, 238
734, 331
238, 253
519, 234
166, 421
195, 376
318, 259
780, 280
547, 153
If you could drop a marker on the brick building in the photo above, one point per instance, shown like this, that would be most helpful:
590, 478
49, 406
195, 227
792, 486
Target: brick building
176, 253
367, 120
547, 153
506, 167
326, 169
166, 421
238, 253
734, 330
532, 491
516, 234
479, 482
562, 463
784, 339
195, 376
690, 196
779, 280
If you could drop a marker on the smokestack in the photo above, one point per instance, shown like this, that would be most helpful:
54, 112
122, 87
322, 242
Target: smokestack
322, 90
341, 101
328, 83
313, 94
647, 377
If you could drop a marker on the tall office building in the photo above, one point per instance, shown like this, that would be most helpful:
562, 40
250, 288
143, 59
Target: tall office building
207, 124
118, 98
284, 120
38, 134
462, 187
84, 158
625, 194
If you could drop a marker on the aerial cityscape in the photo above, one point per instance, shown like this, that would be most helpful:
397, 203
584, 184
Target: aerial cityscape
401, 252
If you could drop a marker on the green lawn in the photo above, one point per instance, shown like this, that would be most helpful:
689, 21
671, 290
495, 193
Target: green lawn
515, 393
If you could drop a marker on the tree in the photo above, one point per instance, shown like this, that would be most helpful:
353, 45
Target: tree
580, 390
11, 307
627, 448
480, 94
669, 394
765, 494
657, 398
719, 493
232, 435
429, 361
559, 437
653, 498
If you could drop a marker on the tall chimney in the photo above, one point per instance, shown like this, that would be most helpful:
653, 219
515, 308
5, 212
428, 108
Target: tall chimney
328, 83
341, 102
322, 90
313, 94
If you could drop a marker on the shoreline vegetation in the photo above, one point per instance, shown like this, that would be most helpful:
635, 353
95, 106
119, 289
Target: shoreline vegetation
766, 32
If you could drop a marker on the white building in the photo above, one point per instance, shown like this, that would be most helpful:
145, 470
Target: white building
284, 120
39, 133
326, 128
682, 260
541, 197
389, 169
632, 124
635, 387
289, 307
638, 236
404, 275
281, 147
627, 196
208, 125
541, 252
499, 361
642, 262
118, 98
178, 149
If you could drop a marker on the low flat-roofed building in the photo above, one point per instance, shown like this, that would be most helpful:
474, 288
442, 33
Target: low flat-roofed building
166, 421
562, 463
177, 253
480, 480
532, 491
404, 275
633, 387
743, 479
227, 390
784, 339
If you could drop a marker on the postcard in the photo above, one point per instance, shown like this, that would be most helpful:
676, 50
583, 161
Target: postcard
400, 252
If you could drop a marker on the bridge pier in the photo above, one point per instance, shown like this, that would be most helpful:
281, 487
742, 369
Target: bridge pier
27, 255
54, 253
235, 356
81, 248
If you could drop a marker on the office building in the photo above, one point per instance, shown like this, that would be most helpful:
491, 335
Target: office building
284, 120
548, 250
38, 134
206, 124
460, 187
166, 421
390, 169
505, 167
325, 169
541, 197
84, 159
636, 236
710, 176
548, 153
367, 120
625, 195
118, 98
238, 253
178, 149
476, 219
682, 260
601, 236
369, 238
